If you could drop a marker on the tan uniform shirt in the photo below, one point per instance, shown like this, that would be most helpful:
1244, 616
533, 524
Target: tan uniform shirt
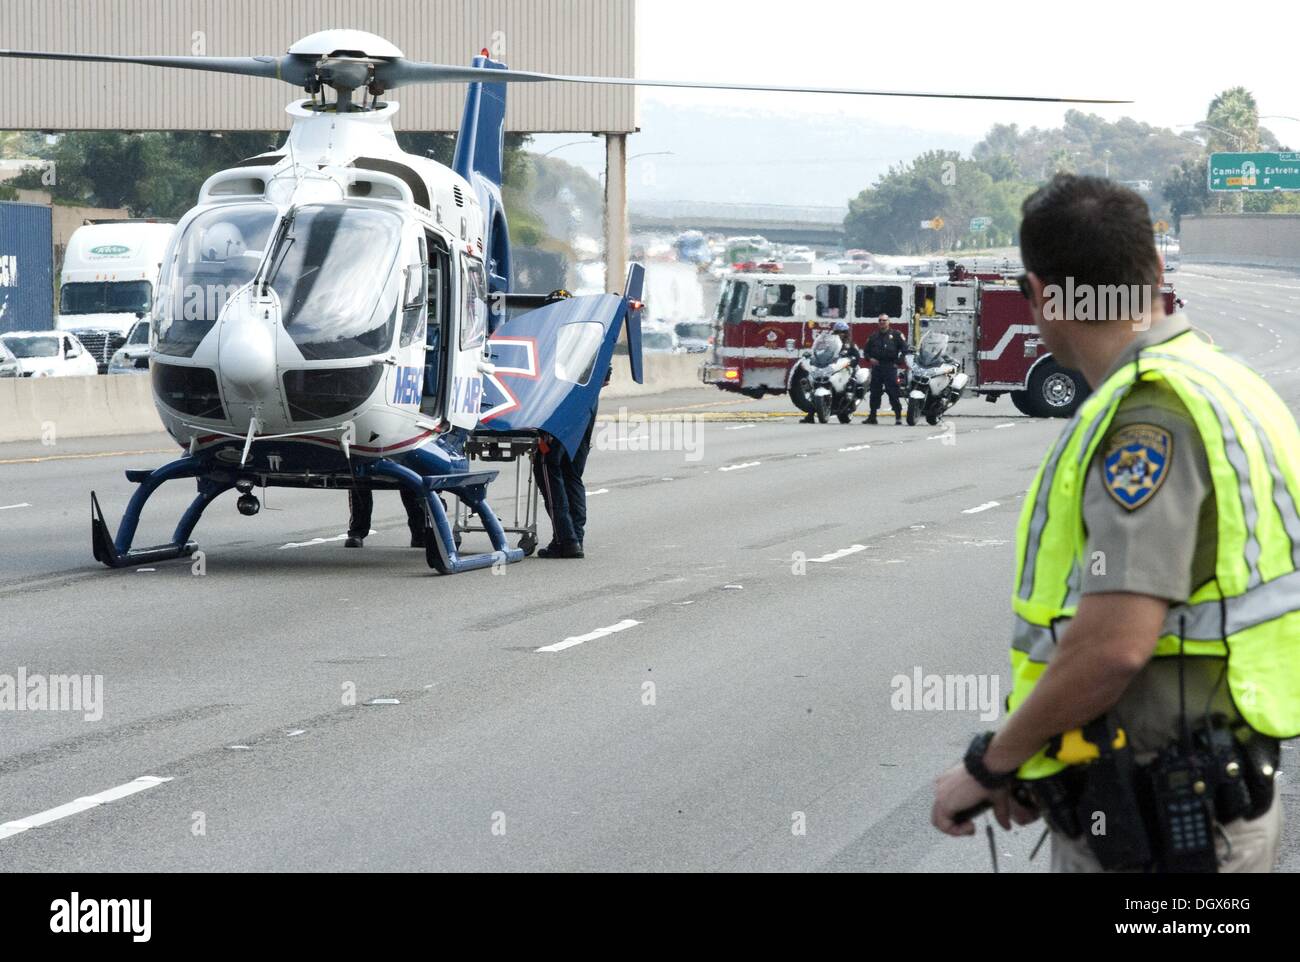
1156, 537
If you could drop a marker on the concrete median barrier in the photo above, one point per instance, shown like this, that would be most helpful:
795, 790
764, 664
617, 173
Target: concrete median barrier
85, 407
663, 372
75, 407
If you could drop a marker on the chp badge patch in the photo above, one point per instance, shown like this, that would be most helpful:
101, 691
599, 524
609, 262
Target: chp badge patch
1136, 463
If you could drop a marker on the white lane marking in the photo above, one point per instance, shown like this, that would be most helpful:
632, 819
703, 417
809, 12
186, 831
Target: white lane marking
982, 507
6, 507
836, 555
737, 467
739, 427
855, 447
315, 541
623, 625
1009, 424
18, 826
591, 494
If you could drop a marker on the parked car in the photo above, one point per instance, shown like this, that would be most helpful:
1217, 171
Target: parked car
50, 354
9, 366
133, 356
659, 341
694, 336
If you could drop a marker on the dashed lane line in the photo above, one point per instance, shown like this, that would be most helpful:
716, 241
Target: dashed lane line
982, 507
837, 555
623, 625
737, 467
141, 784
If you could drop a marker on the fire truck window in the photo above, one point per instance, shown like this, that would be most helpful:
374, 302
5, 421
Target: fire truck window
780, 300
872, 300
734, 302
832, 300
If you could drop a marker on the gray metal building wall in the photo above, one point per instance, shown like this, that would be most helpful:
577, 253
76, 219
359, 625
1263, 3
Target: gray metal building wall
591, 37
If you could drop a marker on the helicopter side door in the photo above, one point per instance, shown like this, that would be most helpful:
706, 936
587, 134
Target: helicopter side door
549, 364
468, 337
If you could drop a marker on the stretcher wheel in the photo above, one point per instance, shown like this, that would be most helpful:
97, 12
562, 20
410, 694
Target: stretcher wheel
528, 544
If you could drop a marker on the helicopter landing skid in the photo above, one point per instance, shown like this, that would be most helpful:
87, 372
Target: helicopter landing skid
117, 552
439, 540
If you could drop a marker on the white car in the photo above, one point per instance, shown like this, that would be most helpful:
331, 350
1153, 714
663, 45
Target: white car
9, 366
133, 356
50, 354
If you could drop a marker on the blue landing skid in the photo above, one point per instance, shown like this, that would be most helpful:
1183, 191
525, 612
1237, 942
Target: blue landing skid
439, 542
117, 552
440, 547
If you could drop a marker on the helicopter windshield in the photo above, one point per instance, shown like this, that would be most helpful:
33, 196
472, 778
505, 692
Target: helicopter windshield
217, 253
334, 273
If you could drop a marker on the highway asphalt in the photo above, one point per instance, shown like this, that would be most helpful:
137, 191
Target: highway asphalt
724, 688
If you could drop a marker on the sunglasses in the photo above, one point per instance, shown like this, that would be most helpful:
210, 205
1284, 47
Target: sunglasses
1022, 282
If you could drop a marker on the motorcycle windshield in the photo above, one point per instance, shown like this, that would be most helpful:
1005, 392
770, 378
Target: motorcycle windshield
825, 349
930, 351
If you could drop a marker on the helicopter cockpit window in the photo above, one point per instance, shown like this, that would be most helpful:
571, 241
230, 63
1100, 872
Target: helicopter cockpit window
474, 288
334, 273
217, 253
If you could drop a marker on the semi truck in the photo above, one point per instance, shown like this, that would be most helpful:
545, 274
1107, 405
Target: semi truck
110, 271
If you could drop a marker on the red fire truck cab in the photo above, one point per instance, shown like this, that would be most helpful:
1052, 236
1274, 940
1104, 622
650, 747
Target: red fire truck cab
764, 321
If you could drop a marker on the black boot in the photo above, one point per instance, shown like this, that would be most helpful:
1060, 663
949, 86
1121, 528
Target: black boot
807, 419
898, 419
354, 541
870, 419
567, 549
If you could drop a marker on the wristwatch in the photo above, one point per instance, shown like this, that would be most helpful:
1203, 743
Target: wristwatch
974, 762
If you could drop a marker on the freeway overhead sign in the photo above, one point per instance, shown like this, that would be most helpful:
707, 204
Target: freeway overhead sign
978, 224
1254, 171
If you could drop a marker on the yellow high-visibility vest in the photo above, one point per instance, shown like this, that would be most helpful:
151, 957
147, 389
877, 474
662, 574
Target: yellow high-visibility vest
1249, 612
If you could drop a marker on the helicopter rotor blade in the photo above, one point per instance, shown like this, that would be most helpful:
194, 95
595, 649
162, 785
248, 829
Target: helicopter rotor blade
289, 68
399, 73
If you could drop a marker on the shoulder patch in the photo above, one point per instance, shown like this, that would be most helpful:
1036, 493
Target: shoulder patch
1135, 463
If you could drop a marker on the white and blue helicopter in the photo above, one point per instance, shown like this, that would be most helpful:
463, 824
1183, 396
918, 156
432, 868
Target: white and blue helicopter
338, 313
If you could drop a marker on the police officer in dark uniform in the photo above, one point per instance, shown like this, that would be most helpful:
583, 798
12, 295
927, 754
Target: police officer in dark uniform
886, 349
847, 349
564, 492
361, 506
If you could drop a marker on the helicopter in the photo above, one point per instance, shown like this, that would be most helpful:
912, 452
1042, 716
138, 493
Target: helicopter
339, 314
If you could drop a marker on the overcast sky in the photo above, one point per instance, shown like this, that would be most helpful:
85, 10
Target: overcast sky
1170, 59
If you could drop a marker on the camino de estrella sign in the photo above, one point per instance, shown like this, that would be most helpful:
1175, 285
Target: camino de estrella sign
1254, 171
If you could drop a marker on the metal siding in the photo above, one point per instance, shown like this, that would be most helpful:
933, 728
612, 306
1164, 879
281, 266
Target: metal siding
591, 37
26, 267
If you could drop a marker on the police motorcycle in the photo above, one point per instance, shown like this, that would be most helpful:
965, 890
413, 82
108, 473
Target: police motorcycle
834, 387
934, 381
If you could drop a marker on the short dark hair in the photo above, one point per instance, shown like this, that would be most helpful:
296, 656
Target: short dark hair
1090, 229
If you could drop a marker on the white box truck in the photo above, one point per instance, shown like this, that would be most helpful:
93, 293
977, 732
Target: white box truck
110, 271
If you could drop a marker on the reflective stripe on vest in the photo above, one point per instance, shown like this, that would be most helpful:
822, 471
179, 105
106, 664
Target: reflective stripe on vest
1250, 611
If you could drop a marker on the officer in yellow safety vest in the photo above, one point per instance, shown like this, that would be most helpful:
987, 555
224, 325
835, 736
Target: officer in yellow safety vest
1155, 651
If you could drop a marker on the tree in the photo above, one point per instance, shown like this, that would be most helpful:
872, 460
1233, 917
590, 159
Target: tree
1186, 190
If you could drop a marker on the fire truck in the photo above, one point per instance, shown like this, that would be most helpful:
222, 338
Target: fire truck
765, 320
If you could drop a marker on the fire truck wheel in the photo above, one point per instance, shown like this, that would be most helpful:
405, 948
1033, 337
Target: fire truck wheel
1023, 404
1054, 391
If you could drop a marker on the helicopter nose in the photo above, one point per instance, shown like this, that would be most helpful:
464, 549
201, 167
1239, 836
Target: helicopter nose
248, 353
